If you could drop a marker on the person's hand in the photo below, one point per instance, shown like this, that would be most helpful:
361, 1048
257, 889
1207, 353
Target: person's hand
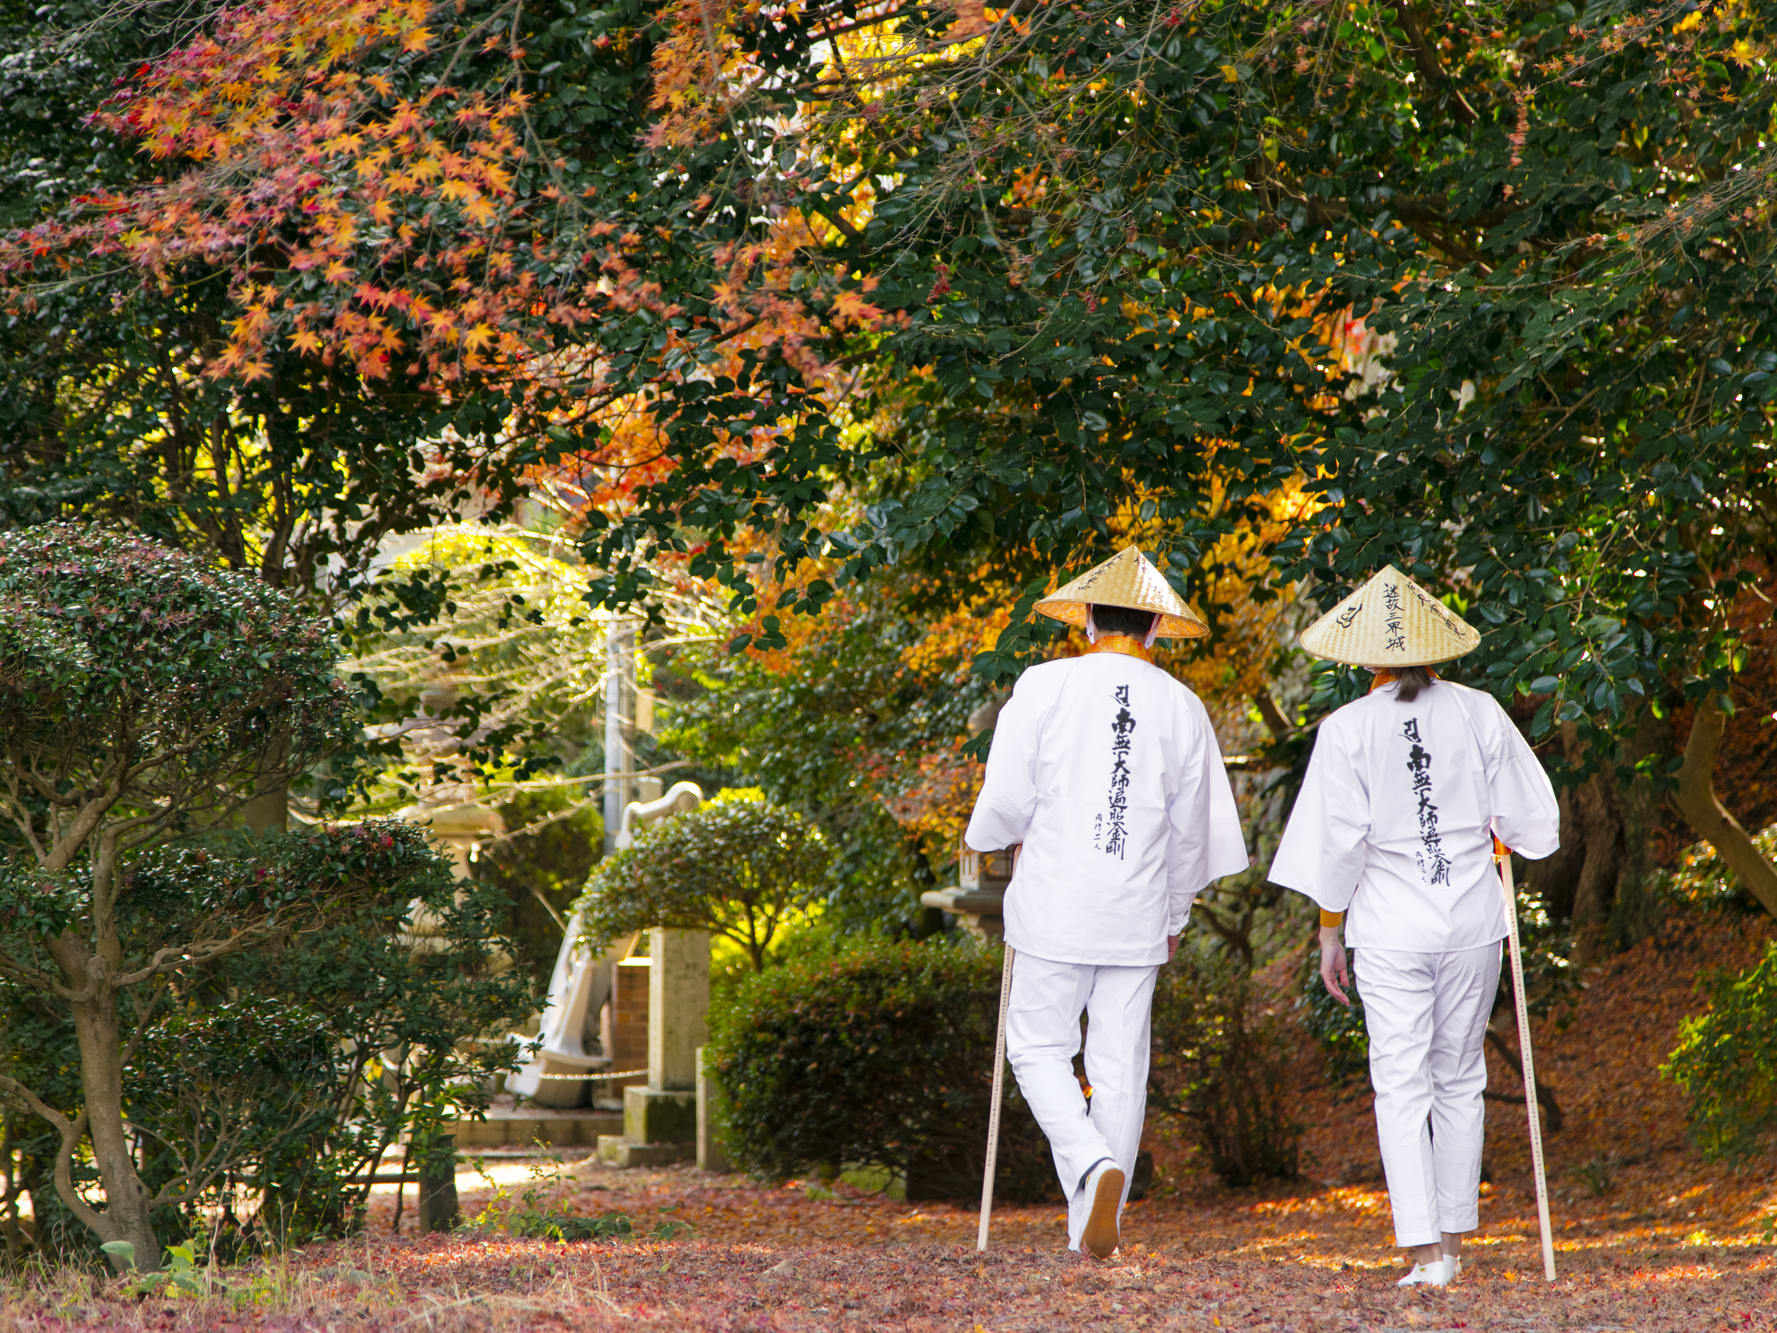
1171, 946
1335, 973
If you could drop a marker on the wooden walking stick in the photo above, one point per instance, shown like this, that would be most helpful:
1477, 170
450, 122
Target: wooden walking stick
993, 1115
1503, 855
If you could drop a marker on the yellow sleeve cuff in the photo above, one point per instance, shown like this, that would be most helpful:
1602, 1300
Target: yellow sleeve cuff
1331, 918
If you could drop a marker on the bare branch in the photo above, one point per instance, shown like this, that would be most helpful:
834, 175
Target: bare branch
70, 1131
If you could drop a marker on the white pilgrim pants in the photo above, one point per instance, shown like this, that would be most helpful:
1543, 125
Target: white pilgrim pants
1042, 1038
1426, 1014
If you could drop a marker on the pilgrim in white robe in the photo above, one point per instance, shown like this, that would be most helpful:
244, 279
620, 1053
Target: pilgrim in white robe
1394, 826
1107, 771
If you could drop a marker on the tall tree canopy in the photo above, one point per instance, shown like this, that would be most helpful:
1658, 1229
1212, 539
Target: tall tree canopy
743, 284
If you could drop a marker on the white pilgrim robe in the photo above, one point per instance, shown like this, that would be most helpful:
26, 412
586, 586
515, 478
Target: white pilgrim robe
1395, 825
1107, 770
1397, 812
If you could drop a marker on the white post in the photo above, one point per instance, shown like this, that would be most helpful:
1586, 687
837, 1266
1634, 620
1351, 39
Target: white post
620, 666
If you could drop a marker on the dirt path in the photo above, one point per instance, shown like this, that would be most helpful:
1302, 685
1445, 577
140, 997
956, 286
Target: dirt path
1648, 1237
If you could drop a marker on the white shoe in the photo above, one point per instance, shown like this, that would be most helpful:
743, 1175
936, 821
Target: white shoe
1455, 1261
1438, 1273
1104, 1196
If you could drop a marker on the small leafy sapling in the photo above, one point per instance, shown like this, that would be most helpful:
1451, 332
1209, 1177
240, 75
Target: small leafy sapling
736, 868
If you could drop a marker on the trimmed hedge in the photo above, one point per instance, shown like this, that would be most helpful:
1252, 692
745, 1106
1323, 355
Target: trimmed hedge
878, 1054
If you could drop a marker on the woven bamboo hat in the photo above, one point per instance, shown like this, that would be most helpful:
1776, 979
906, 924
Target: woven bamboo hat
1126, 579
1390, 622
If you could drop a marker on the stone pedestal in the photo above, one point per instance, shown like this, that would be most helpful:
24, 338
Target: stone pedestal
653, 1116
712, 1153
660, 1120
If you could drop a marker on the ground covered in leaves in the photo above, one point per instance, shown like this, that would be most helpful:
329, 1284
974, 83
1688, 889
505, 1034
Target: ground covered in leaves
1648, 1237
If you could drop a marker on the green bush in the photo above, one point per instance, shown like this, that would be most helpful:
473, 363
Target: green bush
876, 1054
741, 869
1726, 1059
1222, 1055
259, 1083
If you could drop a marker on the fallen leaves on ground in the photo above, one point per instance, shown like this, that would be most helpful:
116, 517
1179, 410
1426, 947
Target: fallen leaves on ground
1647, 1236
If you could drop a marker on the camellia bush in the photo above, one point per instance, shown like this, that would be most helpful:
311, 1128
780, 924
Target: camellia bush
876, 1054
145, 699
260, 1087
737, 868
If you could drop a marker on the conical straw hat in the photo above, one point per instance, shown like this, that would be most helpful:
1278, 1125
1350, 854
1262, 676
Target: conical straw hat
1390, 622
1126, 579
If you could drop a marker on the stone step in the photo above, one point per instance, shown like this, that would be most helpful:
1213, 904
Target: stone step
615, 1150
521, 1127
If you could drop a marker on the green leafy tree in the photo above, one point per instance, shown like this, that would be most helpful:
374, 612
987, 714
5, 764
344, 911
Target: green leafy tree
142, 695
739, 869
831, 728
264, 1086
1494, 281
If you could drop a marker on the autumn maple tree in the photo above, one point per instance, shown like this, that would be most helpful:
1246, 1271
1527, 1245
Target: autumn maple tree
998, 275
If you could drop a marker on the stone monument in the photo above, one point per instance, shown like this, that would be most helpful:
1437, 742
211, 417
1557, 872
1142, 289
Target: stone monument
978, 899
660, 1119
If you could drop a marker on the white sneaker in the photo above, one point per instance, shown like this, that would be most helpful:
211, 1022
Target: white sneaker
1104, 1196
1438, 1273
1455, 1265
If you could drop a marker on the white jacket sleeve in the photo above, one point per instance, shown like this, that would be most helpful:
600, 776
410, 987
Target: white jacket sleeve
1526, 816
1204, 840
1008, 796
1323, 848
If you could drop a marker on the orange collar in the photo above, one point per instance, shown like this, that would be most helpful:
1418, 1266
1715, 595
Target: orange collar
1386, 677
1127, 644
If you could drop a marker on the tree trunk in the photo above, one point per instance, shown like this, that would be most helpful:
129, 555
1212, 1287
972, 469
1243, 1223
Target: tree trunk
1703, 810
1593, 895
127, 1211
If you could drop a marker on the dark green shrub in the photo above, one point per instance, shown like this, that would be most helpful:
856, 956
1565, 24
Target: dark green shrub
233, 1003
1222, 1055
143, 696
1726, 1059
878, 1053
264, 1085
